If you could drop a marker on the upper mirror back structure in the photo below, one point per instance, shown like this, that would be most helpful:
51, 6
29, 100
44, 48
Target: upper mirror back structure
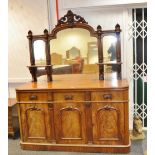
73, 46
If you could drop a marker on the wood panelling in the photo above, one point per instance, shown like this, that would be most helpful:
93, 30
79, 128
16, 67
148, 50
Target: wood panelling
76, 148
90, 118
76, 82
70, 123
108, 123
35, 122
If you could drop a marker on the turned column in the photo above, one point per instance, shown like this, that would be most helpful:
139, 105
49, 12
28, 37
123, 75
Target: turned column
100, 52
48, 57
118, 50
33, 70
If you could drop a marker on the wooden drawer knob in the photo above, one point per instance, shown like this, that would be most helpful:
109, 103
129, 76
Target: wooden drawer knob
50, 105
87, 104
107, 96
33, 97
68, 97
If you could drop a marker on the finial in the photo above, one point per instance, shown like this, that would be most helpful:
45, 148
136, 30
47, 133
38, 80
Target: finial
30, 33
99, 28
117, 28
45, 31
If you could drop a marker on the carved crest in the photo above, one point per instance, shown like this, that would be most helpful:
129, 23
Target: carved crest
71, 19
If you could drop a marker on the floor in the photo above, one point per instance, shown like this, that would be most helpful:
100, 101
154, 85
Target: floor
137, 148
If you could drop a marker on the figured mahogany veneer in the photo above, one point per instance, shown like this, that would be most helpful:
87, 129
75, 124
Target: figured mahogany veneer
74, 113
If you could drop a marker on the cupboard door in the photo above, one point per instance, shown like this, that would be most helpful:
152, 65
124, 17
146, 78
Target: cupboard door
70, 123
108, 123
35, 126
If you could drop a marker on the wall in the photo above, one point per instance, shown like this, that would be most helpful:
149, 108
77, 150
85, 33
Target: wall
23, 15
67, 4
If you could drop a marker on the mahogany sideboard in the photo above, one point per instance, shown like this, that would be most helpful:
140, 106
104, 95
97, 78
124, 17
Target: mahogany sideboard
75, 112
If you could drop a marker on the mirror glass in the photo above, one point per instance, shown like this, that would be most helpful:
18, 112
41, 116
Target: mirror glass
39, 52
109, 48
74, 51
109, 52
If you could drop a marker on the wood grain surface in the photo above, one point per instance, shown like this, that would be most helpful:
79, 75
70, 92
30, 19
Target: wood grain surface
74, 113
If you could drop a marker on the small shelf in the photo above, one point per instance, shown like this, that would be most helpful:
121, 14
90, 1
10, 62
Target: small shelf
38, 66
110, 63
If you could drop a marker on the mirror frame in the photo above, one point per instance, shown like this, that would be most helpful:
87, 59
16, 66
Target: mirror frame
71, 20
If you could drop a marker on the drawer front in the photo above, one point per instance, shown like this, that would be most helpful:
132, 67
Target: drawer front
69, 96
109, 96
27, 96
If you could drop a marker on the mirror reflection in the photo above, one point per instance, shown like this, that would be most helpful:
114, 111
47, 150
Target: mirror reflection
109, 48
74, 51
109, 52
39, 52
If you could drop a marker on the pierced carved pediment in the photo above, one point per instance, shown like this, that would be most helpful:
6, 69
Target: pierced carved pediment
71, 19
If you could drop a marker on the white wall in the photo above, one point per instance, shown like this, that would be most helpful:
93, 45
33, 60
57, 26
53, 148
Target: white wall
67, 4
24, 15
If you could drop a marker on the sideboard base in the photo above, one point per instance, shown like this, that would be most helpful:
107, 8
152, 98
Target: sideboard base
75, 148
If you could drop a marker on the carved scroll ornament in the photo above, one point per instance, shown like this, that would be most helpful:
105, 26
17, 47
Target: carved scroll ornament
71, 18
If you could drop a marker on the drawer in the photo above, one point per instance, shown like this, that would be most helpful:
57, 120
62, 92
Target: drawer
28, 96
109, 96
69, 96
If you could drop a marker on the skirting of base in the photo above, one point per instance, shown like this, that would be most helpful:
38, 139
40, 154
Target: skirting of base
75, 147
